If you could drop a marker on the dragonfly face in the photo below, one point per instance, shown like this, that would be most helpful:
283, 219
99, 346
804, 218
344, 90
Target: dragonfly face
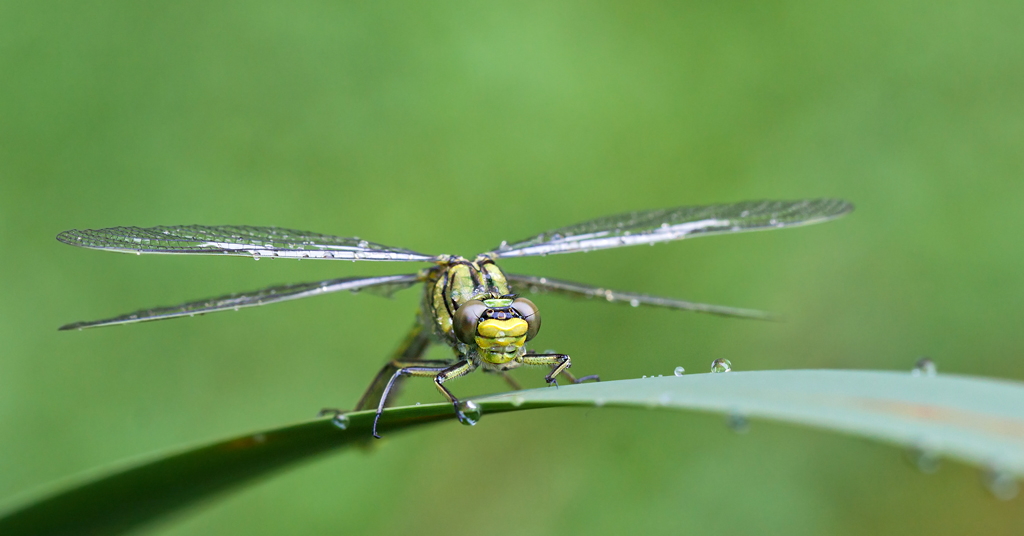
470, 305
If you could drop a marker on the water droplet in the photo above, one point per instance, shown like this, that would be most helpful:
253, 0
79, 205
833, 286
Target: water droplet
138, 252
237, 308
738, 422
255, 255
517, 401
642, 377
609, 295
634, 303
341, 421
924, 367
364, 244
721, 365
926, 459
679, 371
1001, 483
470, 412
598, 402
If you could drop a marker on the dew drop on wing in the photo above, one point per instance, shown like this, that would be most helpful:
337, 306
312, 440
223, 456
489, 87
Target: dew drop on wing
679, 371
470, 412
721, 365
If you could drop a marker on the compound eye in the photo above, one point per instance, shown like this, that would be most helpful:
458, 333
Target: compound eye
466, 319
529, 312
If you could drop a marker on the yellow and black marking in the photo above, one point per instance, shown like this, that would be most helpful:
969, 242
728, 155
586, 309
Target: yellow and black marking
469, 306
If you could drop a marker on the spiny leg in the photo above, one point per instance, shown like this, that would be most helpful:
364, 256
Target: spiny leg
559, 364
441, 373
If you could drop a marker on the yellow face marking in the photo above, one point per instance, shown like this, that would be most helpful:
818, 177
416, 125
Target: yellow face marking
500, 340
493, 329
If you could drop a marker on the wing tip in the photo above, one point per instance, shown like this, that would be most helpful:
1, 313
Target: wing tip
70, 237
840, 207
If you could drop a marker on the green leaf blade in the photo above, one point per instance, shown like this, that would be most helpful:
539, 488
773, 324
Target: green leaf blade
976, 420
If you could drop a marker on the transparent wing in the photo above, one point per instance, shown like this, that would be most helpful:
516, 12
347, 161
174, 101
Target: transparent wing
386, 285
652, 226
241, 240
532, 284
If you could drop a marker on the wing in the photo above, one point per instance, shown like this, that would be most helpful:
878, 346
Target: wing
534, 284
652, 226
386, 285
240, 240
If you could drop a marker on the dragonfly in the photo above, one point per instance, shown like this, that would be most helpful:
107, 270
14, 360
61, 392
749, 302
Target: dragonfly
473, 306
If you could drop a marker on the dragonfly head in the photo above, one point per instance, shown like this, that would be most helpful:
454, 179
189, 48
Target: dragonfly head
498, 327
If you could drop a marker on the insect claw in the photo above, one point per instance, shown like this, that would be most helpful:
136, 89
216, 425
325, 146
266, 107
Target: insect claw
375, 419
593, 377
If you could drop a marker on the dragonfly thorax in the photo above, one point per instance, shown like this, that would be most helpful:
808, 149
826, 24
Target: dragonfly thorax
470, 306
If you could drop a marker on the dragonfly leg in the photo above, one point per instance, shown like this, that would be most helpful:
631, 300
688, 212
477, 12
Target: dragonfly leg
511, 381
592, 377
412, 348
455, 371
559, 364
441, 372
515, 385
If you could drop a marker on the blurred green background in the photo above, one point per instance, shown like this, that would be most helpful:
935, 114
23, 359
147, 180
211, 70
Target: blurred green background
446, 128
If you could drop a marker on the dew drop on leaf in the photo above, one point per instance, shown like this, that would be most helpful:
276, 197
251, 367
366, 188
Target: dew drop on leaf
721, 365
